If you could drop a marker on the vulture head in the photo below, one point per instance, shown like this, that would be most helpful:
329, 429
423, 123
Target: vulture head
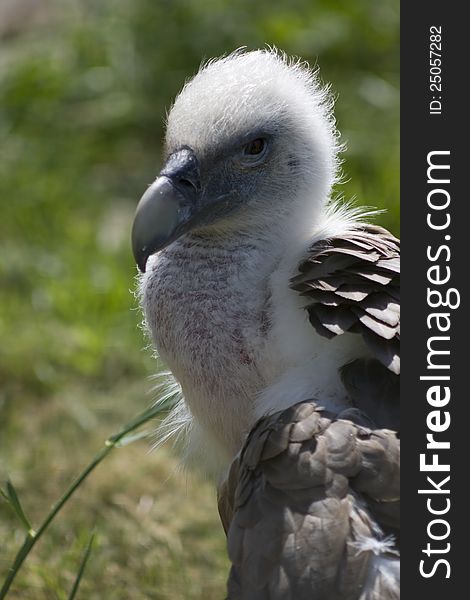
251, 146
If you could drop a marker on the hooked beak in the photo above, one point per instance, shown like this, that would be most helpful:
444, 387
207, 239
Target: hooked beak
168, 208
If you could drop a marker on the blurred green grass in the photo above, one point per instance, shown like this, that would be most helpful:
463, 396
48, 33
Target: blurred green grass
83, 92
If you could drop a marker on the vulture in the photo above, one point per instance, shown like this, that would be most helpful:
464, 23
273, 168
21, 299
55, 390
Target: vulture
277, 311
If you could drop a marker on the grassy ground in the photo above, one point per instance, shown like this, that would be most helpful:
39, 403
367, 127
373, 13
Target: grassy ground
158, 534
83, 90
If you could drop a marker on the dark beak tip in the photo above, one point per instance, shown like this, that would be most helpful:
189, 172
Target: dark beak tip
142, 265
141, 258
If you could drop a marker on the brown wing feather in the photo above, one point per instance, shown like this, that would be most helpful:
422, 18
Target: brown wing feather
352, 284
301, 506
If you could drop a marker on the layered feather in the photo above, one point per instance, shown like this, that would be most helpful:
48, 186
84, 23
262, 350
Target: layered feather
299, 505
352, 284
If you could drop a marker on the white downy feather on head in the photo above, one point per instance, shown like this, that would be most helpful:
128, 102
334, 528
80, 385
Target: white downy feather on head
263, 91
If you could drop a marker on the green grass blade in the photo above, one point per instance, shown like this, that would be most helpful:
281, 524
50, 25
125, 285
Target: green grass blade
122, 437
135, 423
131, 438
13, 500
81, 570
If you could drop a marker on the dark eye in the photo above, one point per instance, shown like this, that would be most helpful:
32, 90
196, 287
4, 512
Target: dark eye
255, 147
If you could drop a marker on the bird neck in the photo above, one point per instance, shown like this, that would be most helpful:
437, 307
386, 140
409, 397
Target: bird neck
269, 231
208, 299
250, 250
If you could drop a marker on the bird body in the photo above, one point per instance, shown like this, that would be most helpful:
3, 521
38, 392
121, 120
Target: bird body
294, 511
261, 293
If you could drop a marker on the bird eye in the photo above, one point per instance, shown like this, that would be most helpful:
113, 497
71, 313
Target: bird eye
254, 153
255, 147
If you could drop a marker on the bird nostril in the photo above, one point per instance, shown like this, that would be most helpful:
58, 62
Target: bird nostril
186, 183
